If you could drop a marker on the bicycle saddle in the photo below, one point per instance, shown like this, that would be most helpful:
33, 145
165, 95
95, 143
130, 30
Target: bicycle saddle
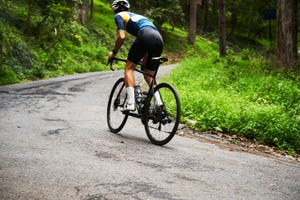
160, 59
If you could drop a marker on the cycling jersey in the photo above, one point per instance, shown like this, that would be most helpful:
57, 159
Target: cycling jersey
132, 22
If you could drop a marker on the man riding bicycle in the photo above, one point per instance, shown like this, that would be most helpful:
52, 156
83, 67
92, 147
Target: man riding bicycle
148, 44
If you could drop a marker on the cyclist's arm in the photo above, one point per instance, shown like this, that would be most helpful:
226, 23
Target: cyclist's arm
119, 42
120, 34
120, 39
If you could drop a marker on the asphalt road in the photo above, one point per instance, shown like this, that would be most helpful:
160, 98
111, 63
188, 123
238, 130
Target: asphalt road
55, 144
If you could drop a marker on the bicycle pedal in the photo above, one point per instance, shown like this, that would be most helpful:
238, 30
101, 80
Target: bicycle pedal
125, 112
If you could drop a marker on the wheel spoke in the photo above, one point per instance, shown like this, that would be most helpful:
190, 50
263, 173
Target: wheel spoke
116, 119
162, 121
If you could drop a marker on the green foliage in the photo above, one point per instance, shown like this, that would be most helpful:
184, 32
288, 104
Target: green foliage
49, 42
239, 95
168, 11
7, 75
16, 57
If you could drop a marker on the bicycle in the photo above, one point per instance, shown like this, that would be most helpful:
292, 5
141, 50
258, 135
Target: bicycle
160, 121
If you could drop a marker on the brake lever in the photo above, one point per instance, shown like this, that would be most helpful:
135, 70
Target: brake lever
110, 63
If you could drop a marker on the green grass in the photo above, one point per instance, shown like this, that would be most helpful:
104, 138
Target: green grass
240, 95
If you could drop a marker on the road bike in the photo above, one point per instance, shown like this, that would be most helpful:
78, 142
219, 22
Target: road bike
160, 120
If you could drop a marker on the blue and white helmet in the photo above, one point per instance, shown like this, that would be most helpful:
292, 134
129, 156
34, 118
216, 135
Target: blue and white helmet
120, 5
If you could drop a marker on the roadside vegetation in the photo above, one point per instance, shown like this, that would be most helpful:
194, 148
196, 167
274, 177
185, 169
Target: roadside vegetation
241, 94
60, 47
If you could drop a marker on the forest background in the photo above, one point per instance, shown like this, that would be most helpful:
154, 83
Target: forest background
239, 72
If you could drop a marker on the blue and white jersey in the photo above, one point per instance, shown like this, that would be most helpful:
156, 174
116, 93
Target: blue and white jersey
132, 22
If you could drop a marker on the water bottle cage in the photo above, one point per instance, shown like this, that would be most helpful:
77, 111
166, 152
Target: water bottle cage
138, 94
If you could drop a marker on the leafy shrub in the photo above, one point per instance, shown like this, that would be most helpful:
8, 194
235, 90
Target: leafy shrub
15, 53
7, 75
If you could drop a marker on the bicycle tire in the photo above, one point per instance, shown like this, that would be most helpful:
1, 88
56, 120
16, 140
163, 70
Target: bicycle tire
161, 126
116, 119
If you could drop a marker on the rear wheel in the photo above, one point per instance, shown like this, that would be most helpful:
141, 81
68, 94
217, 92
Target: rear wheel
116, 119
161, 121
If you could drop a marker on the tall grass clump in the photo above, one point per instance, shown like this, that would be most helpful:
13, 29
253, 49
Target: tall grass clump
241, 95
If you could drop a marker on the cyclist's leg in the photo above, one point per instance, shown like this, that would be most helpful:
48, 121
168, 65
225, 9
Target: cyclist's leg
129, 74
147, 78
154, 46
130, 82
134, 56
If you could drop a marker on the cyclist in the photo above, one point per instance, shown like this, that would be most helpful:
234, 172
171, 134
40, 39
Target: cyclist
148, 44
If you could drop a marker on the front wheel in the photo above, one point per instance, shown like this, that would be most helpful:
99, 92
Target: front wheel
116, 119
162, 120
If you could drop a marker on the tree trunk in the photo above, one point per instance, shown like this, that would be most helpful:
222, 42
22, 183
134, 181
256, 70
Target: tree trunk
83, 12
222, 28
92, 12
193, 22
233, 21
205, 19
213, 25
286, 36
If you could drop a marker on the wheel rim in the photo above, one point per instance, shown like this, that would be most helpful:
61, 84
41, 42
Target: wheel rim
162, 126
115, 117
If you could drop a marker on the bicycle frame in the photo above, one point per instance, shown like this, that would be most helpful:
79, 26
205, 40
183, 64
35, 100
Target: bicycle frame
140, 71
160, 125
151, 86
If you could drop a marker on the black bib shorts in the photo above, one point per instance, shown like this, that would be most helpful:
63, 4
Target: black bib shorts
148, 41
